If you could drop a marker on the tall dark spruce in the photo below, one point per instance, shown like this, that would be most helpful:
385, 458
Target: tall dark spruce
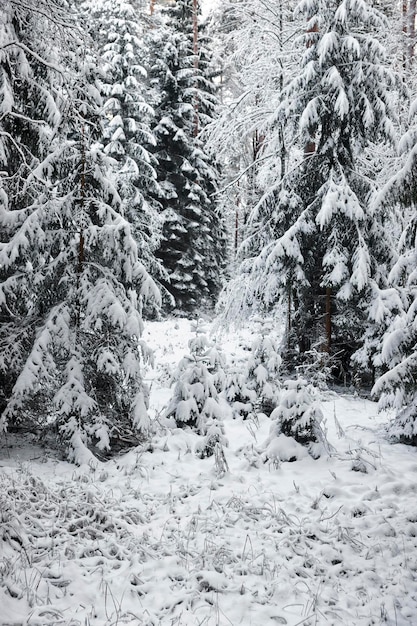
192, 249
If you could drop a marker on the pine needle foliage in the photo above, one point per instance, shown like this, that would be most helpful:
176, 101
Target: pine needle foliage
72, 283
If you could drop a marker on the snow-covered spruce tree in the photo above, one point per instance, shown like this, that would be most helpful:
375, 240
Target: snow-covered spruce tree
328, 249
200, 378
263, 369
397, 354
298, 416
192, 249
255, 387
238, 392
29, 117
74, 283
118, 31
396, 388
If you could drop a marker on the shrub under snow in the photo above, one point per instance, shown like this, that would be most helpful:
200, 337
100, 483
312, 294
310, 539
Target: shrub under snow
296, 426
199, 380
256, 388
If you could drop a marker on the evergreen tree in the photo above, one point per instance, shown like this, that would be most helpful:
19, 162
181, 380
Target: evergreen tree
199, 380
239, 394
396, 354
298, 416
118, 31
192, 248
327, 250
256, 388
264, 364
396, 388
29, 118
72, 283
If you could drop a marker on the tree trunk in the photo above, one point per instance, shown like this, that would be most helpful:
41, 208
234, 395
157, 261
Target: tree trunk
195, 51
328, 322
411, 31
405, 28
289, 320
237, 226
81, 240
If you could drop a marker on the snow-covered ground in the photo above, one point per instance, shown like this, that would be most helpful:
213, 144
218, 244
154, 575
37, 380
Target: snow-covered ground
161, 536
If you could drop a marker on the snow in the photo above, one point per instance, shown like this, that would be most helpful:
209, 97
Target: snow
283, 448
160, 536
327, 46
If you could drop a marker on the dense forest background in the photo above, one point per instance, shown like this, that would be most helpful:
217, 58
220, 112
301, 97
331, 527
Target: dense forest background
262, 162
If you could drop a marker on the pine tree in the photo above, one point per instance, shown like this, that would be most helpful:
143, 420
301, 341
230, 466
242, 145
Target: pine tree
327, 251
74, 284
396, 387
298, 416
192, 248
255, 387
200, 379
239, 394
396, 354
29, 118
119, 33
264, 364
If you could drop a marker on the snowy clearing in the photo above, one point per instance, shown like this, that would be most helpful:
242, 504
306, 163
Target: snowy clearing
161, 536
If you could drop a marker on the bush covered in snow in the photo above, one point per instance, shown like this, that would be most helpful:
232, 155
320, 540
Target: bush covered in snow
257, 387
296, 425
200, 378
238, 392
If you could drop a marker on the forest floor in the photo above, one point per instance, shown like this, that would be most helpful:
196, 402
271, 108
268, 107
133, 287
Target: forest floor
159, 536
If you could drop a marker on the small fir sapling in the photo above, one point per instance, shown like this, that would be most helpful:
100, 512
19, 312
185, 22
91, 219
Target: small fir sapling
199, 379
263, 367
238, 394
297, 424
